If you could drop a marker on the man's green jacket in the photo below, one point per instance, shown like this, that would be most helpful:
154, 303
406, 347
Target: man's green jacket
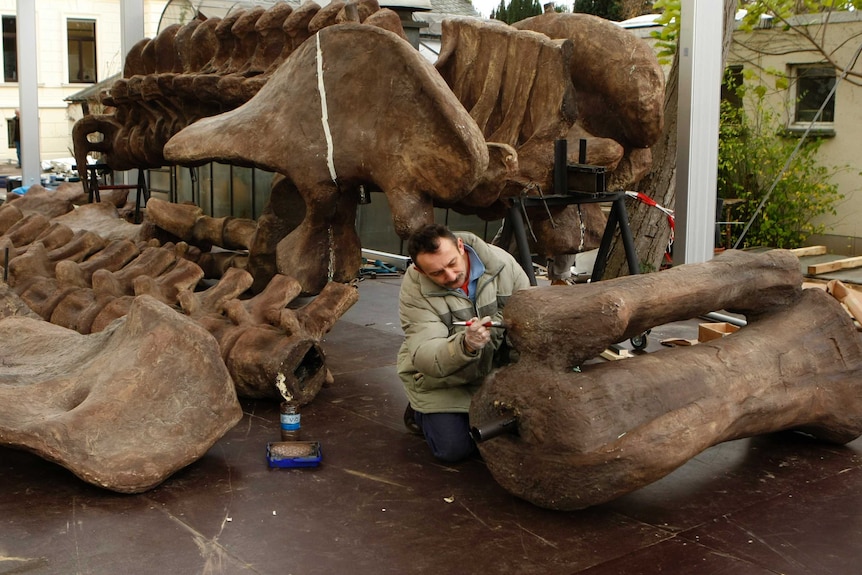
437, 373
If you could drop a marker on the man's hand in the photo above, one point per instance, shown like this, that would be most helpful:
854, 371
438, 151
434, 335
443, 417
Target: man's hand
477, 335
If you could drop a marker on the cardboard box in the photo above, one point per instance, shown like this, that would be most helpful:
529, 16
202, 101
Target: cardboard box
710, 331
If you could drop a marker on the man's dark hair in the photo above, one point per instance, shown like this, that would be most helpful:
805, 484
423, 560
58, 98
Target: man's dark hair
426, 240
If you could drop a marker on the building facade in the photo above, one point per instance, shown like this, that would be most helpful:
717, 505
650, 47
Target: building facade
78, 45
798, 67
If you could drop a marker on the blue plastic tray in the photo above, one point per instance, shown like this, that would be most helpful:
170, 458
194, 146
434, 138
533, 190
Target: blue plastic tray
293, 453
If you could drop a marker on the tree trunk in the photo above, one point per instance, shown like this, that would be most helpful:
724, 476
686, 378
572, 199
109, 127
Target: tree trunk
650, 227
632, 8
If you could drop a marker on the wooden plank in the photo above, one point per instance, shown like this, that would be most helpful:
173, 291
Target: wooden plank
842, 264
611, 354
809, 251
851, 299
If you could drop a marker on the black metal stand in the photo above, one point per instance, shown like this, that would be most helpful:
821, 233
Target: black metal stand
141, 188
143, 193
576, 184
513, 226
566, 177
93, 171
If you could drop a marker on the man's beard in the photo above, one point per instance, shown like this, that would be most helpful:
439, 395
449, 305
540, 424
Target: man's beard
457, 282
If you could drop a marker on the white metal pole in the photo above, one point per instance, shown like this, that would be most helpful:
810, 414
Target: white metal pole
697, 151
131, 32
131, 24
28, 92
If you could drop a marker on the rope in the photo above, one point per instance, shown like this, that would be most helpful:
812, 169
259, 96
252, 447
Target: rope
524, 193
645, 199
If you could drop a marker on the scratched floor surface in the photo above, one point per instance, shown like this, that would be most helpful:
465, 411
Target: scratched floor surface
379, 504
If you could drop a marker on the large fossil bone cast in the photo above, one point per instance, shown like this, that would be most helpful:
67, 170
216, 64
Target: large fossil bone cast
80, 281
594, 82
586, 438
436, 152
199, 69
262, 338
357, 107
189, 223
565, 328
122, 409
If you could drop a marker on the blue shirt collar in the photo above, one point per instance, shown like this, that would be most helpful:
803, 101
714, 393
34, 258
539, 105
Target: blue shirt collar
477, 268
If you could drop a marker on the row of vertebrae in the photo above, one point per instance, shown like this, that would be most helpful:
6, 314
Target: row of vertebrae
82, 281
203, 68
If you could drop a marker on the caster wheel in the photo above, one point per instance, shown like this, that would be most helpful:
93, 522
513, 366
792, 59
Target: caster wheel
639, 342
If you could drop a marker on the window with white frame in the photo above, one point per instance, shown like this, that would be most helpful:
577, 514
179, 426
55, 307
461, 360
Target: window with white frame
813, 84
10, 49
81, 39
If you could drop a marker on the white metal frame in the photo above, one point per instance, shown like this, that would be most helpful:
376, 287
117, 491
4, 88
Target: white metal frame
28, 92
700, 72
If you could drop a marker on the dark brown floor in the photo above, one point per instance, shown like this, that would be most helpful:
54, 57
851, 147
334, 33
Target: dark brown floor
379, 503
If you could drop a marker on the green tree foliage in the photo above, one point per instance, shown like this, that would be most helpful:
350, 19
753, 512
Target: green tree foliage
607, 9
516, 10
756, 154
614, 9
781, 9
668, 33
753, 151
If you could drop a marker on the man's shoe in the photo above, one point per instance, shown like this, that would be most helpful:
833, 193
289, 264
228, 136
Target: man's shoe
410, 422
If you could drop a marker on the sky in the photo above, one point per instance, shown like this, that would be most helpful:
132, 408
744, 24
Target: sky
484, 7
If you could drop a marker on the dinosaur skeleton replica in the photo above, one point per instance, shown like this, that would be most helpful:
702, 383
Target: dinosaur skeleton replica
102, 316
583, 438
288, 91
132, 371
77, 279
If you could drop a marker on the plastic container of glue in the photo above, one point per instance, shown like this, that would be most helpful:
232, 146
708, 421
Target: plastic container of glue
290, 421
